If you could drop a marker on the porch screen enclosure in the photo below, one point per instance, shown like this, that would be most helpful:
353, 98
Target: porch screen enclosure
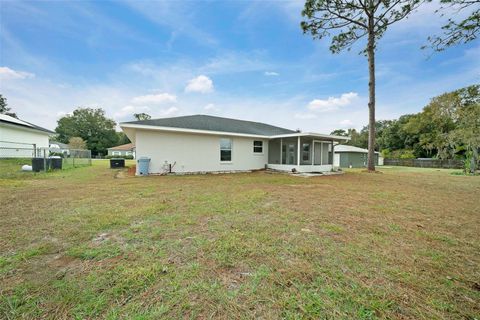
300, 151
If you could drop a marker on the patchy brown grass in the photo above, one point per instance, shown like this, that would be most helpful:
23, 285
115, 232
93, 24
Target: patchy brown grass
99, 243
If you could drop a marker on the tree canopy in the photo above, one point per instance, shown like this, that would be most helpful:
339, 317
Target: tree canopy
448, 127
92, 126
457, 31
4, 109
142, 116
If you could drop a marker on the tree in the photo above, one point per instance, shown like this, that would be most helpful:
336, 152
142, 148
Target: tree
142, 116
122, 138
339, 132
77, 143
457, 32
466, 134
350, 20
4, 109
92, 126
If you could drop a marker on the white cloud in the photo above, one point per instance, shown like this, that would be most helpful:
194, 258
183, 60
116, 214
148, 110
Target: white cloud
169, 112
271, 74
305, 116
7, 73
155, 99
332, 103
61, 114
128, 111
202, 84
211, 107
346, 122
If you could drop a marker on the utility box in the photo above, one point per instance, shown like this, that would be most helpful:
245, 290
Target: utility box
117, 163
56, 163
143, 166
40, 164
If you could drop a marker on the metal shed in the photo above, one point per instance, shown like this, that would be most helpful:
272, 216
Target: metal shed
352, 157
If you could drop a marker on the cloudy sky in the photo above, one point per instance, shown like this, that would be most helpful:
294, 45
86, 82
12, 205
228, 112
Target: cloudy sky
241, 59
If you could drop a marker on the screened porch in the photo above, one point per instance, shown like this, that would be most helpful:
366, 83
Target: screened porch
302, 153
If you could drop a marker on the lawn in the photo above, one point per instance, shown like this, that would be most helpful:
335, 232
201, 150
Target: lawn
96, 243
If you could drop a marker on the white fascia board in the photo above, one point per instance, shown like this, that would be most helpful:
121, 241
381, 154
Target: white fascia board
30, 129
311, 134
184, 130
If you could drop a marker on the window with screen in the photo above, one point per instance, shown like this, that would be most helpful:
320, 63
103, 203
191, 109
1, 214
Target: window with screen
258, 146
225, 149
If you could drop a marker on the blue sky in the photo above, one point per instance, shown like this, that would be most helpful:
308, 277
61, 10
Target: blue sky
242, 59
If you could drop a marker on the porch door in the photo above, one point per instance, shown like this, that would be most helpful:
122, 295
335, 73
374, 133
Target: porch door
288, 153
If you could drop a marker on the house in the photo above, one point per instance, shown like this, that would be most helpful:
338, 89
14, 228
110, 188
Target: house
353, 157
202, 143
122, 150
59, 147
21, 139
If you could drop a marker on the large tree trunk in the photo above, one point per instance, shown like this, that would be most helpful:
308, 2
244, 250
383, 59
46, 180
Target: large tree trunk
371, 96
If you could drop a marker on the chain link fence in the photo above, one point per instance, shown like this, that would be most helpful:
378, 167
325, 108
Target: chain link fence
17, 157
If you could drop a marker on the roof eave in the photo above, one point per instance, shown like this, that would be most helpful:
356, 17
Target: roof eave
311, 134
185, 130
35, 128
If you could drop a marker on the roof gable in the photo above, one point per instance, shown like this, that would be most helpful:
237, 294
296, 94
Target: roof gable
212, 123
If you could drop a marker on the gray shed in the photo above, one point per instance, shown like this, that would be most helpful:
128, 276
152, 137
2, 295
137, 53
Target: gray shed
351, 157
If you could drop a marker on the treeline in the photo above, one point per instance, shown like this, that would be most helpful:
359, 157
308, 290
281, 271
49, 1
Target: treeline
92, 127
447, 128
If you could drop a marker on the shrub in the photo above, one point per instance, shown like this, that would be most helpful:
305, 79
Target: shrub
130, 157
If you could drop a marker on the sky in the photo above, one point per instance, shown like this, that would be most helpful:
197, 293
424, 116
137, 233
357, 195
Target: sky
241, 59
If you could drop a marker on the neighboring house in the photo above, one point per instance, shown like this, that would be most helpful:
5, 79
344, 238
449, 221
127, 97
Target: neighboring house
201, 143
58, 147
353, 157
19, 138
122, 150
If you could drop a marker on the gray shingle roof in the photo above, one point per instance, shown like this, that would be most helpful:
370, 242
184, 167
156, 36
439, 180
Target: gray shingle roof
22, 123
211, 123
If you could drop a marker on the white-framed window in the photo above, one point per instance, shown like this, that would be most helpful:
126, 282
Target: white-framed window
116, 153
226, 150
257, 146
128, 153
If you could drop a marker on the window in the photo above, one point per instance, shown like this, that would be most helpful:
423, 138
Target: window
257, 146
306, 151
128, 153
116, 153
225, 149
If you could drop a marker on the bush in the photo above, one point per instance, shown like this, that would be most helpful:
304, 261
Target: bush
121, 157
398, 154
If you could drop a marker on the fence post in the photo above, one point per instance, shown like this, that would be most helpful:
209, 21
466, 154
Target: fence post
44, 160
73, 158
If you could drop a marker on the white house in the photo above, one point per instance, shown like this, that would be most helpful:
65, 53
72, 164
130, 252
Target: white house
201, 143
122, 150
19, 138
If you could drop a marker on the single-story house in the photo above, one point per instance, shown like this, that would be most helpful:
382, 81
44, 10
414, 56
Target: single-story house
122, 150
19, 138
353, 157
59, 147
202, 143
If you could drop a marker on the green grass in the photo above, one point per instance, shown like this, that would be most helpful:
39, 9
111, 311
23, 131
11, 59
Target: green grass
92, 243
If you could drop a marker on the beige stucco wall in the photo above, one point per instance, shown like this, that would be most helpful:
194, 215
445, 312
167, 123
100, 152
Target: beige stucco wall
197, 152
